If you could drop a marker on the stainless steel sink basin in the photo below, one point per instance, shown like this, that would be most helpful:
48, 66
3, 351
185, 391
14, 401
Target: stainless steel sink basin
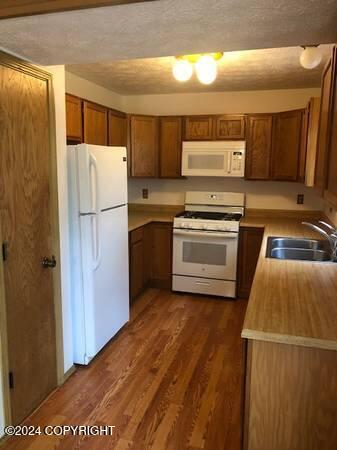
298, 249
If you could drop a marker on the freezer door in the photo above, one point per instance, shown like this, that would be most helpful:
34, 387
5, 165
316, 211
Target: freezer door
105, 276
102, 174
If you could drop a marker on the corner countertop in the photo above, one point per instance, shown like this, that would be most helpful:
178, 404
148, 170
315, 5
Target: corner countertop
140, 215
291, 302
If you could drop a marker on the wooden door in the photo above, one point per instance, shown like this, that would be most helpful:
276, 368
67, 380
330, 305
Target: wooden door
25, 212
331, 192
136, 262
250, 240
117, 129
323, 130
144, 146
95, 123
170, 146
259, 146
198, 128
161, 273
74, 118
286, 145
230, 127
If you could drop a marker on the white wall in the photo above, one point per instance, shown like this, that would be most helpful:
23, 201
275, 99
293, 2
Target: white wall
259, 194
91, 91
220, 102
58, 73
270, 195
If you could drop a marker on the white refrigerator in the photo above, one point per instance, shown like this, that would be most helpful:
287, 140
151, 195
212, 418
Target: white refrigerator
98, 246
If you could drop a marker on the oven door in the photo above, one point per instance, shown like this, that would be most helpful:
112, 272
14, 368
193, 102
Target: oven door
205, 254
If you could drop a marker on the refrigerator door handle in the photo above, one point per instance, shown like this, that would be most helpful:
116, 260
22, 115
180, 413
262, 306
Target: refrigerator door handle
95, 220
96, 241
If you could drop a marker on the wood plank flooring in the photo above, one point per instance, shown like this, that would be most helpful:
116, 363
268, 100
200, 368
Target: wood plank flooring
171, 380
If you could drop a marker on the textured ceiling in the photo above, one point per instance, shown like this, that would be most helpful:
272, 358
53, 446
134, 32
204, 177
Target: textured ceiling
168, 27
277, 68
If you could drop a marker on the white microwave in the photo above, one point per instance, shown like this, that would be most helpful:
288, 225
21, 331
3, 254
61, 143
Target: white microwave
213, 158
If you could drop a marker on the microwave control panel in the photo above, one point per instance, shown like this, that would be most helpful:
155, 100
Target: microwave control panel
237, 162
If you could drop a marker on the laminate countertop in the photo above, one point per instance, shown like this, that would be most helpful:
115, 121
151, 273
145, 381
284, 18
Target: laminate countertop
140, 218
291, 302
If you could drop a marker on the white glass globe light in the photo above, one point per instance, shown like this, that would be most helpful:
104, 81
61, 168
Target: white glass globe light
206, 69
310, 57
182, 70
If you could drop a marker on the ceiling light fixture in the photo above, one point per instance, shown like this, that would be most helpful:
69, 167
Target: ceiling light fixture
205, 67
310, 56
182, 70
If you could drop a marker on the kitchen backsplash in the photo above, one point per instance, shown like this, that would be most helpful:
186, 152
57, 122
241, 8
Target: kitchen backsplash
259, 195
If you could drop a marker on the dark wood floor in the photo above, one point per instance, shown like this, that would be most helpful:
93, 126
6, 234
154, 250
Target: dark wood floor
171, 380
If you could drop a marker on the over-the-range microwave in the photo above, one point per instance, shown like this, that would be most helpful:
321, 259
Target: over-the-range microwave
213, 158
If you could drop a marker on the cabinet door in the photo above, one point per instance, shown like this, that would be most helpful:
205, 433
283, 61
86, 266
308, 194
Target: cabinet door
170, 144
250, 240
117, 129
230, 127
259, 145
161, 276
136, 255
198, 128
74, 118
95, 120
311, 150
323, 130
286, 145
144, 146
331, 193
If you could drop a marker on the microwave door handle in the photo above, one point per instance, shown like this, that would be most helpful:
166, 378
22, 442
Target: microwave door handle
229, 162
223, 235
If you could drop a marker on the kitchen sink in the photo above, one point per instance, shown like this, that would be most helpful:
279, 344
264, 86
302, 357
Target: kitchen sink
298, 249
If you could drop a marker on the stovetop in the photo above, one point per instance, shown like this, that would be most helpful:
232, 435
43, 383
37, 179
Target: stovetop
207, 215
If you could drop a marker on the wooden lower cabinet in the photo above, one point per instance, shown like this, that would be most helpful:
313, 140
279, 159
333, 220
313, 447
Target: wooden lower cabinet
136, 262
161, 273
290, 397
250, 240
150, 257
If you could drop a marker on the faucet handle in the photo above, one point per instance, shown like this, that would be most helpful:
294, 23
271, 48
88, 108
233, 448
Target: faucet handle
328, 226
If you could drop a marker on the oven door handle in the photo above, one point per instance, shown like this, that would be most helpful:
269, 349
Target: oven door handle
223, 235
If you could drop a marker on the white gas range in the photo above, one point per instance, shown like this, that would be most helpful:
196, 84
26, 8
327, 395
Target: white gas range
205, 243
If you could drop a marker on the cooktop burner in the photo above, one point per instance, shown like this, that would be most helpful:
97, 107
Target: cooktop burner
206, 215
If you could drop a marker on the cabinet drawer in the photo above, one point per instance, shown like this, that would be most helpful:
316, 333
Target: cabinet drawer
136, 235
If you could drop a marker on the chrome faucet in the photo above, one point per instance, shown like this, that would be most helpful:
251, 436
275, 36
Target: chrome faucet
330, 235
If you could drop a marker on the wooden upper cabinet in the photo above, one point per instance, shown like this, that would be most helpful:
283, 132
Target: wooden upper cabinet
324, 129
170, 146
198, 128
144, 146
230, 127
117, 129
259, 146
331, 192
74, 118
287, 131
95, 121
311, 141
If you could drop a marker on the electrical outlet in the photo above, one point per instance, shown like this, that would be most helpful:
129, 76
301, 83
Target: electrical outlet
300, 199
145, 193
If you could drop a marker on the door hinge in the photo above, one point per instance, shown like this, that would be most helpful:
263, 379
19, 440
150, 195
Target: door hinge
11, 380
5, 251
